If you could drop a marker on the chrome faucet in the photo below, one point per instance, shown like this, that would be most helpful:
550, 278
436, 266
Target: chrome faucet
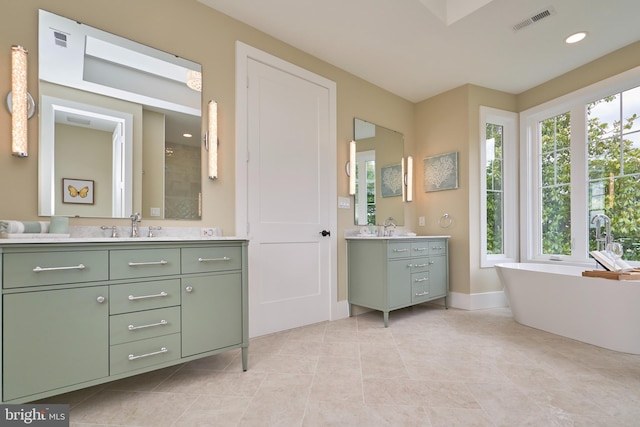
388, 223
135, 219
600, 239
113, 228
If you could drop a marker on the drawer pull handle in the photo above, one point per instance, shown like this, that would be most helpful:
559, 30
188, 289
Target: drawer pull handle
422, 279
137, 264
416, 265
224, 258
421, 294
71, 267
189, 289
160, 323
161, 294
419, 249
401, 250
134, 357
101, 299
438, 248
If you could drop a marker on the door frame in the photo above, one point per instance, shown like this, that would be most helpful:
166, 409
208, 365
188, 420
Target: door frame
244, 52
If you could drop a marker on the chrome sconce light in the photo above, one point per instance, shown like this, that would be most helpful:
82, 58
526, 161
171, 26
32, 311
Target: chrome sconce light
351, 168
407, 176
19, 102
211, 139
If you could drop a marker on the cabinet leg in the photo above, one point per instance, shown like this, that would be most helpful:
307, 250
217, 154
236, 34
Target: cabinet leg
245, 357
386, 319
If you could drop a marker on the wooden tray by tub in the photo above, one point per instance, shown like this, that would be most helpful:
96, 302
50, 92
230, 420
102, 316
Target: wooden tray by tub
615, 275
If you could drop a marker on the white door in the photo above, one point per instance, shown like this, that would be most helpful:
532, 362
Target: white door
290, 199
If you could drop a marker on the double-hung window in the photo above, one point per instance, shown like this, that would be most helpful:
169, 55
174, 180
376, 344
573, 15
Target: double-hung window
580, 158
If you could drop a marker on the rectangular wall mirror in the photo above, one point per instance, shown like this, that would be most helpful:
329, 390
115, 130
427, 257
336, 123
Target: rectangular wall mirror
379, 180
116, 113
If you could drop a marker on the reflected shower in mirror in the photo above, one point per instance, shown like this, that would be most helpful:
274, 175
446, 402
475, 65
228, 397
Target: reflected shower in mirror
379, 180
120, 114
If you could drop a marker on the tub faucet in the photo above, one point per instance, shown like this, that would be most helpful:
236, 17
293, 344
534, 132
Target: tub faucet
135, 219
600, 239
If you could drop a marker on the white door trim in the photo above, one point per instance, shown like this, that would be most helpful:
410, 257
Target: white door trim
244, 52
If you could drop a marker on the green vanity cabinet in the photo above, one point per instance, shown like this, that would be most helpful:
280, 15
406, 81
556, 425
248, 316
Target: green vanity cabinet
77, 314
390, 273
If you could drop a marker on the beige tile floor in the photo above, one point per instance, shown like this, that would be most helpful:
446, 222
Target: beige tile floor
431, 367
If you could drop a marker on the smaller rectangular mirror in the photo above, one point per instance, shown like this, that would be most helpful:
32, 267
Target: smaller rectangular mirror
379, 181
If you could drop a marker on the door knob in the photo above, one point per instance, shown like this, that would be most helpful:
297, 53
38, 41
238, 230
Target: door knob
325, 233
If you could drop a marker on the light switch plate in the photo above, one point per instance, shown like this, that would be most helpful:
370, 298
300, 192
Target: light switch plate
421, 221
344, 202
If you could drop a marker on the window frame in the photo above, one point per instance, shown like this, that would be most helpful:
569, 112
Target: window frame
509, 122
530, 204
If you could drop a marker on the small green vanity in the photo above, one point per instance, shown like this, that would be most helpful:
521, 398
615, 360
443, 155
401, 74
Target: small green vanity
388, 273
81, 313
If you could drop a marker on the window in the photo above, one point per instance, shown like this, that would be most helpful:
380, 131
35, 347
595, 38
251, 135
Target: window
498, 178
581, 158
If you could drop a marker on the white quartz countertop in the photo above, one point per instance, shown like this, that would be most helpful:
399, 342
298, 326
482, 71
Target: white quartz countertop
158, 239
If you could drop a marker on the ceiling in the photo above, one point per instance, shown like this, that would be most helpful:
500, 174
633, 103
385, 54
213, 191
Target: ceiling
420, 48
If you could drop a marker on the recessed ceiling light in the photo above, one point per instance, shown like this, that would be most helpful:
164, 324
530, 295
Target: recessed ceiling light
576, 37
187, 135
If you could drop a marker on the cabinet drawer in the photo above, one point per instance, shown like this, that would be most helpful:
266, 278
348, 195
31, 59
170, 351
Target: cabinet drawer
143, 353
417, 265
437, 247
420, 248
399, 250
144, 324
133, 263
50, 268
144, 296
420, 294
204, 260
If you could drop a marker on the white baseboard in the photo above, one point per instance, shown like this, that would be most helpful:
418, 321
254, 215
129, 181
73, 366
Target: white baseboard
340, 310
478, 301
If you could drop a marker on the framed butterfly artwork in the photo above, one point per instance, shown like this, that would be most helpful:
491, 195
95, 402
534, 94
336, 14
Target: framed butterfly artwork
77, 191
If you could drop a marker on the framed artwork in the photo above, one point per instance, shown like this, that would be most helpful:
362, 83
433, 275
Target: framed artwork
441, 172
391, 182
77, 191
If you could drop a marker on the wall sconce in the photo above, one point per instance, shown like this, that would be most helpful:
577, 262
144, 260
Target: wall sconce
351, 168
211, 139
407, 193
20, 103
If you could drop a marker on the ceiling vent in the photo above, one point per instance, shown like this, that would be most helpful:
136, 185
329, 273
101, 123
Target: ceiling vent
535, 18
60, 38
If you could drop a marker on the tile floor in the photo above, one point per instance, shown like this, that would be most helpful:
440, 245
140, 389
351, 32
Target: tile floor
431, 367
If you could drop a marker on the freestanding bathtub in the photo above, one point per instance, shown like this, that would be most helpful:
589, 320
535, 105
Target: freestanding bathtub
558, 299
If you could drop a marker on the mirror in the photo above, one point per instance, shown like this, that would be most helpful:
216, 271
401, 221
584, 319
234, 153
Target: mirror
379, 180
113, 119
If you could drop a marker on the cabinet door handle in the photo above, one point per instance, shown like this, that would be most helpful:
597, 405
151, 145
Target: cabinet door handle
189, 289
101, 299
134, 357
137, 264
224, 258
422, 279
39, 269
421, 294
161, 294
160, 323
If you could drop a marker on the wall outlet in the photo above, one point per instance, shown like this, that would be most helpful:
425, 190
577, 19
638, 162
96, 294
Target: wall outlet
209, 232
344, 202
421, 221
155, 212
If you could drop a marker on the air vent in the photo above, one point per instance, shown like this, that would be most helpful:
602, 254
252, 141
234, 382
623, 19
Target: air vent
60, 38
535, 18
